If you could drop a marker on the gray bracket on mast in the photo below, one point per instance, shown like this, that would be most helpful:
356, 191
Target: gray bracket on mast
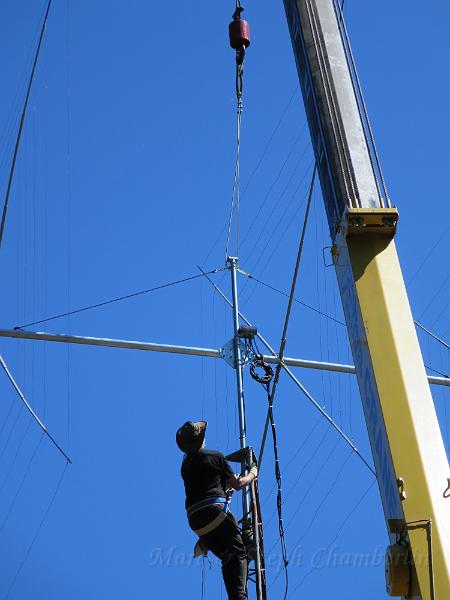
228, 354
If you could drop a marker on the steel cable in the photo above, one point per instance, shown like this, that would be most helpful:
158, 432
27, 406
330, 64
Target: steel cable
41, 524
21, 484
271, 215
338, 532
304, 466
324, 498
119, 299
328, 316
277, 243
255, 170
235, 194
323, 465
437, 293
427, 257
274, 182
13, 462
22, 120
296, 300
288, 309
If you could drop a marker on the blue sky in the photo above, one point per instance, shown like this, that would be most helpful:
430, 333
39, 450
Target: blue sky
123, 183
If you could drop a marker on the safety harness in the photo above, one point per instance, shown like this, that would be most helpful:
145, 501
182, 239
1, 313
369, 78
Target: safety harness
201, 549
220, 518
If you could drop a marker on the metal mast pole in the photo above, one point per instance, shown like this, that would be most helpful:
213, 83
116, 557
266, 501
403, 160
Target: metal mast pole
233, 263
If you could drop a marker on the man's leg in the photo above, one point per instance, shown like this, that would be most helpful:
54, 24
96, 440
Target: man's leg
235, 566
226, 543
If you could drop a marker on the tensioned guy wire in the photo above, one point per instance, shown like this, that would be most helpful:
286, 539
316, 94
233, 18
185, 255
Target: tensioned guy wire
326, 315
22, 120
21, 484
119, 299
427, 257
431, 334
258, 164
288, 311
339, 530
36, 535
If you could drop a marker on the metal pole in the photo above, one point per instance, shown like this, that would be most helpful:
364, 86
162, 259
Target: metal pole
111, 343
188, 350
232, 261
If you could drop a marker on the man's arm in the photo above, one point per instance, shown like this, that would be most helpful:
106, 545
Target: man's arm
238, 482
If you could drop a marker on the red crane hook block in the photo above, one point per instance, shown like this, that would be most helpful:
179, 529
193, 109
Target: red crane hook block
239, 31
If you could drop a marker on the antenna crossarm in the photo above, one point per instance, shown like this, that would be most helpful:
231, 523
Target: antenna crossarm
187, 350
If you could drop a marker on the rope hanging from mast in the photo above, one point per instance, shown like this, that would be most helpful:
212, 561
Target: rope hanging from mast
239, 32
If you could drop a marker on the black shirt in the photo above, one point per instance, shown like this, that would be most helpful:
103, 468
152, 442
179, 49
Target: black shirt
205, 474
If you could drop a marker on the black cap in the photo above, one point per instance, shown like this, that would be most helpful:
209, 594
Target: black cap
191, 435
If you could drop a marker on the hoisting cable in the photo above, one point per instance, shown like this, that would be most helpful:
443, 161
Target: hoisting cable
239, 32
22, 120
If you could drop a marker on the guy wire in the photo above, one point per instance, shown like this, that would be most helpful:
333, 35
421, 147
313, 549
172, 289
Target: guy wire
22, 120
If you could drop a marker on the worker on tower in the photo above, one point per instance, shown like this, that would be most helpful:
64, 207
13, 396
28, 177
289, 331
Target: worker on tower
207, 476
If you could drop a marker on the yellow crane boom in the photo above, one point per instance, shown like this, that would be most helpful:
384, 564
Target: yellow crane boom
408, 451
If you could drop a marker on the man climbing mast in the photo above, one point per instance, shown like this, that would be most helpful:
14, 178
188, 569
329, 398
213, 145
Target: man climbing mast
207, 477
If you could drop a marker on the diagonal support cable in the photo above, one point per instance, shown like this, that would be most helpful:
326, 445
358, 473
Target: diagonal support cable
288, 313
114, 300
296, 381
22, 120
30, 410
431, 334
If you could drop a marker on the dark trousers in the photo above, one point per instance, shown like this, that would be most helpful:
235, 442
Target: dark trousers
226, 543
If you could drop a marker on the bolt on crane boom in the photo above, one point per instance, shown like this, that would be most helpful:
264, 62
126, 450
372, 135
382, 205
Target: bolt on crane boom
408, 451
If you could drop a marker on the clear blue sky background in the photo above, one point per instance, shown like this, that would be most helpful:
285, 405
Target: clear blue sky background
123, 183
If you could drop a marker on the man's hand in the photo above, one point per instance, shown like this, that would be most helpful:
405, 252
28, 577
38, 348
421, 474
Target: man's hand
239, 482
254, 471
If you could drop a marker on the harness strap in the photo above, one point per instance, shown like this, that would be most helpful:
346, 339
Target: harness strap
203, 504
213, 525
